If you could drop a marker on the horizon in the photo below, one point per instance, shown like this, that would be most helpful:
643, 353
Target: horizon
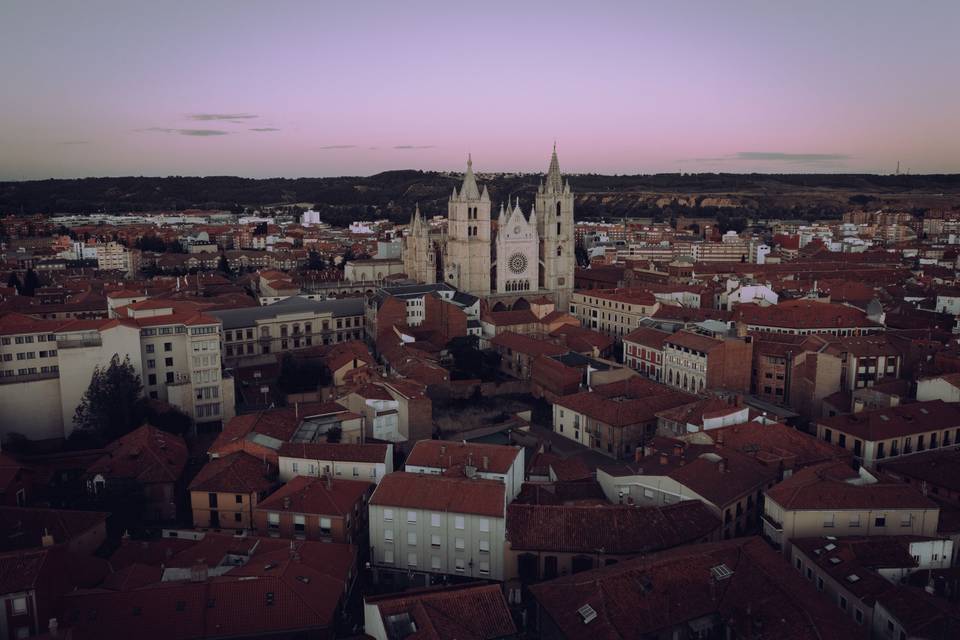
295, 89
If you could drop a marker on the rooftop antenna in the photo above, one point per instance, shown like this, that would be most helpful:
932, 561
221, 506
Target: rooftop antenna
898, 167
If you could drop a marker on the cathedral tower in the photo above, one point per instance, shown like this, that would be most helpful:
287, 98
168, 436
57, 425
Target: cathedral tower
466, 264
554, 207
419, 261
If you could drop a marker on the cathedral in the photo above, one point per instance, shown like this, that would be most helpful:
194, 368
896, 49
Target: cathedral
521, 256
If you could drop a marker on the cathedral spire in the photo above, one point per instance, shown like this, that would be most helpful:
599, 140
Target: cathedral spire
554, 181
469, 189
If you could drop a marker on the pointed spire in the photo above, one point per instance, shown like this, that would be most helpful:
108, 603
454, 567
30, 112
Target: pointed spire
554, 179
486, 194
469, 189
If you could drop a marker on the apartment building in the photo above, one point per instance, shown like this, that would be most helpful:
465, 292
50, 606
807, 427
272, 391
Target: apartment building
517, 352
893, 432
310, 508
394, 410
643, 351
113, 256
615, 312
831, 499
180, 357
866, 361
423, 526
225, 492
805, 317
349, 461
695, 362
489, 461
290, 324
617, 417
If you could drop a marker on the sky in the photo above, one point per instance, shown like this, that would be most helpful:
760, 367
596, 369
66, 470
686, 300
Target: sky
317, 88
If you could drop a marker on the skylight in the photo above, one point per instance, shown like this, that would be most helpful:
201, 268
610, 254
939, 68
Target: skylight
853, 578
587, 613
721, 572
830, 547
835, 560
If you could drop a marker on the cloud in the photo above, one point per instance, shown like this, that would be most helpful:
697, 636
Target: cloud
777, 156
234, 117
265, 129
74, 142
200, 133
338, 146
414, 146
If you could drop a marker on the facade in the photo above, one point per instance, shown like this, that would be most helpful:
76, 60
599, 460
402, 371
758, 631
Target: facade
311, 508
226, 490
831, 499
293, 323
428, 526
532, 253
643, 351
349, 461
893, 432
614, 312
694, 362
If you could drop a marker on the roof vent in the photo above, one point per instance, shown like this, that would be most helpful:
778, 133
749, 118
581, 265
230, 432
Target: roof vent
587, 613
721, 572
830, 546
304, 579
853, 578
835, 560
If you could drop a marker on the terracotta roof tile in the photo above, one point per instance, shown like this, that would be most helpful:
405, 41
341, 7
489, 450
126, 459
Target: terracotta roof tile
441, 493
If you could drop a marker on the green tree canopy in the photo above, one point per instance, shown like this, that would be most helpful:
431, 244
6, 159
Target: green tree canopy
109, 405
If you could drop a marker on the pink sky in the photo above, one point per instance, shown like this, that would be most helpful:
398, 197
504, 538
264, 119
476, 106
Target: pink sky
314, 88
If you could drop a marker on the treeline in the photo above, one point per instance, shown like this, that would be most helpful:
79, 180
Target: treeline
393, 194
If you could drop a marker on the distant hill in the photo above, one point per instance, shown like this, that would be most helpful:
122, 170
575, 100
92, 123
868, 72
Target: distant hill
393, 194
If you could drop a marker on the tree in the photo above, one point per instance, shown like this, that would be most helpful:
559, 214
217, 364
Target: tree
14, 281
223, 265
334, 433
109, 405
315, 261
30, 283
583, 258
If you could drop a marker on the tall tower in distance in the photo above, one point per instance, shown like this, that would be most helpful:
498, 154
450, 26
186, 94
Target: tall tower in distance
466, 264
554, 206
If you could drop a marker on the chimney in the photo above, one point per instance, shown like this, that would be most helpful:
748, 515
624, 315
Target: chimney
47, 539
329, 482
286, 502
664, 459
638, 454
720, 438
53, 627
678, 449
858, 405
723, 465
486, 463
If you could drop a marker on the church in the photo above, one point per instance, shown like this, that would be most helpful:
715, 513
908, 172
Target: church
519, 256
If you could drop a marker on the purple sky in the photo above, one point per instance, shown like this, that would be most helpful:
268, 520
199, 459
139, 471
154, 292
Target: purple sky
342, 88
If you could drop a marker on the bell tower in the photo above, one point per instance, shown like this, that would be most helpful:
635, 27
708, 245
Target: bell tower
468, 256
554, 206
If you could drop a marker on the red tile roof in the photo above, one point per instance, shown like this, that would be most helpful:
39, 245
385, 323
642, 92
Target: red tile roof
894, 422
370, 452
527, 345
441, 454
626, 402
616, 529
236, 473
647, 337
309, 495
22, 527
469, 612
646, 596
826, 486
804, 314
693, 341
441, 493
938, 468
146, 455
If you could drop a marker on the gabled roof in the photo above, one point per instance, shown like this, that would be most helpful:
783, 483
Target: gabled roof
322, 496
893, 422
24, 527
146, 455
370, 452
236, 473
441, 454
469, 612
614, 528
441, 493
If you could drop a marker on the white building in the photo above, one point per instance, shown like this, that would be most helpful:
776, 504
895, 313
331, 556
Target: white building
351, 461
489, 461
423, 526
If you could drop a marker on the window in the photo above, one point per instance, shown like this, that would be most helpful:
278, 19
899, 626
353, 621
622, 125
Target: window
858, 616
412, 538
484, 567
149, 348
169, 376
434, 519
388, 515
411, 517
819, 584
152, 379
880, 521
168, 346
484, 546
843, 603
19, 606
799, 564
151, 364
828, 520
459, 565
388, 556
855, 520
458, 523
411, 559
459, 544
299, 523
388, 535
906, 520
168, 362
484, 525
435, 562
435, 541
238, 517
273, 520
325, 526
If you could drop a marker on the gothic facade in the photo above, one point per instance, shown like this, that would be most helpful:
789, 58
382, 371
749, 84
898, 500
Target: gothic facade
524, 253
